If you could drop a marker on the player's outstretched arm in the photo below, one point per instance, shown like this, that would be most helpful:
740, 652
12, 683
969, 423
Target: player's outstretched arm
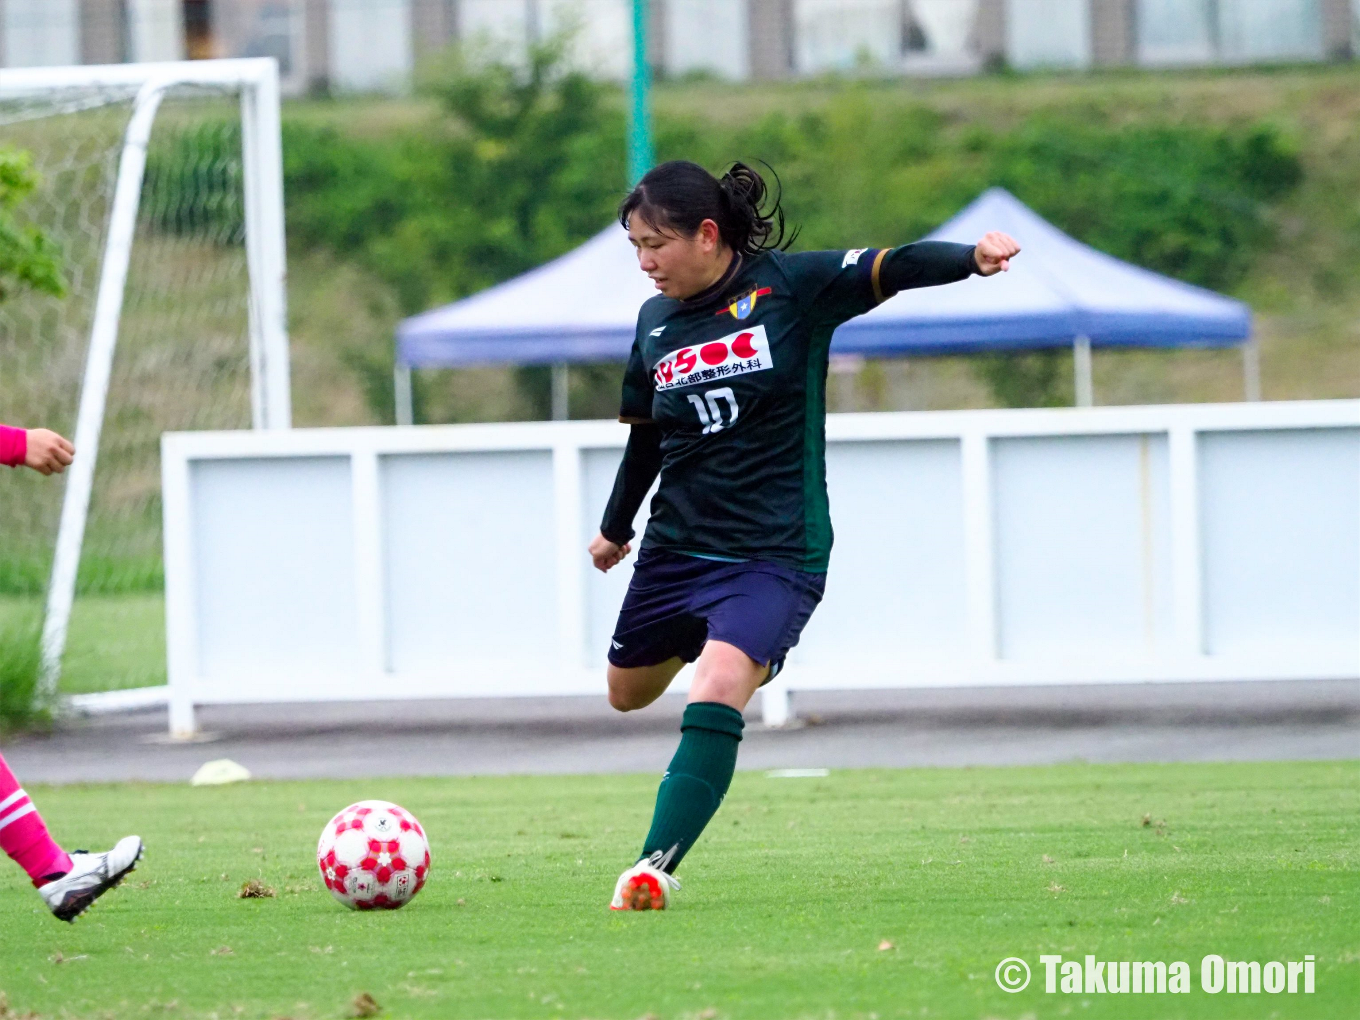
933, 263
41, 449
994, 252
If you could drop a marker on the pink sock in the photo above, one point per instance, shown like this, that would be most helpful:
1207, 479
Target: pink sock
23, 835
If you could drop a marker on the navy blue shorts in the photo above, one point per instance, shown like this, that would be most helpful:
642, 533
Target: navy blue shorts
676, 603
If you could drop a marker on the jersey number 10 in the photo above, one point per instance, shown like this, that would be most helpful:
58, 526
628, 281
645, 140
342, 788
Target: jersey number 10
711, 416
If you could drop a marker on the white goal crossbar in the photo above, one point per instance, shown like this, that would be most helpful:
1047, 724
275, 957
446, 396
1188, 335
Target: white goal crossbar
262, 157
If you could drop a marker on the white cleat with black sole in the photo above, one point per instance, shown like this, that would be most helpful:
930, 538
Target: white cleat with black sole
90, 877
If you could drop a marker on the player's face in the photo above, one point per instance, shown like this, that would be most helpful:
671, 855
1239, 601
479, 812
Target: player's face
679, 266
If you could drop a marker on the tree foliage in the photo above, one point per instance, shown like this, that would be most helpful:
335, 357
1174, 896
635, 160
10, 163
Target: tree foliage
27, 257
524, 163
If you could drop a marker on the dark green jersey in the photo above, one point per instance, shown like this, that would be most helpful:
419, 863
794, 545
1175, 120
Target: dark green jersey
735, 380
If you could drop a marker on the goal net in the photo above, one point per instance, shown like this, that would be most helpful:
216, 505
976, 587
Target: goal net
148, 183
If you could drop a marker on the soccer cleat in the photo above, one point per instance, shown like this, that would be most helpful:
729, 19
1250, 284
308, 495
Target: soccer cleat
645, 886
90, 877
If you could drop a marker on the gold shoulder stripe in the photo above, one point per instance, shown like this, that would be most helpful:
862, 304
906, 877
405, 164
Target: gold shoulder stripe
873, 276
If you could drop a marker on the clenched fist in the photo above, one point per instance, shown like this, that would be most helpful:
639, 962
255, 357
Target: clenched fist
607, 554
48, 453
994, 252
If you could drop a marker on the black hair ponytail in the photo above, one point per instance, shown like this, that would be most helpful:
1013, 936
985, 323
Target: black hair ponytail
680, 195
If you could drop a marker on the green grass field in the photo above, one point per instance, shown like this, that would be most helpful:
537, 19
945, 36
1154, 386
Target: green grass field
115, 641
785, 909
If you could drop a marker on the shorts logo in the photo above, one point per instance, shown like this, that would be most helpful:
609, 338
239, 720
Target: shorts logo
852, 257
734, 354
744, 306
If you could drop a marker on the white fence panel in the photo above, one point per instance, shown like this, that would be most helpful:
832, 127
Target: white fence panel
274, 569
1083, 545
983, 547
1279, 513
451, 522
897, 508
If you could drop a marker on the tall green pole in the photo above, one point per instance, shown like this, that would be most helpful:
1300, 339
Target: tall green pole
640, 112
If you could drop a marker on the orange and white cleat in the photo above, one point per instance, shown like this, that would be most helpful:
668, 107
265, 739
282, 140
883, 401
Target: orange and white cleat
645, 886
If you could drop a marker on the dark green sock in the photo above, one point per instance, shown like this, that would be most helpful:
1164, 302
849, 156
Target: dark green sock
697, 779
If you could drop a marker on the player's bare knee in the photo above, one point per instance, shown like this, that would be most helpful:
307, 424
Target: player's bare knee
622, 700
625, 694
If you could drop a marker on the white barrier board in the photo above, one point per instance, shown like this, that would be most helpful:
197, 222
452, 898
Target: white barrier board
1194, 542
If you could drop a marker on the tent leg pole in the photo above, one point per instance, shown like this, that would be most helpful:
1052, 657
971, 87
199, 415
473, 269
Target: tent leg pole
401, 379
1081, 366
560, 379
1251, 369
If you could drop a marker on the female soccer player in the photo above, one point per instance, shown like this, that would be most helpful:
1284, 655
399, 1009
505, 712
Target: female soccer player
726, 393
68, 883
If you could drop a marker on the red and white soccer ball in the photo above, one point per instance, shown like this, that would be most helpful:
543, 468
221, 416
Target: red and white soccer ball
373, 856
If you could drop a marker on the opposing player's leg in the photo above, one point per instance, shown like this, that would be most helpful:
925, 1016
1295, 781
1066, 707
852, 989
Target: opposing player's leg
90, 877
24, 835
68, 883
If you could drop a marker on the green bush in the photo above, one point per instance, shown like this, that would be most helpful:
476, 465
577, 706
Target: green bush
20, 665
193, 183
28, 258
1186, 200
1028, 379
520, 165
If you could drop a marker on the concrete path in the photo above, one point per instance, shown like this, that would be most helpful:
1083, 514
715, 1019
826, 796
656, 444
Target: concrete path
1011, 726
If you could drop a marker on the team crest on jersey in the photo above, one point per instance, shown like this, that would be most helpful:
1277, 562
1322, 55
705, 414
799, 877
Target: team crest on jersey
735, 354
744, 306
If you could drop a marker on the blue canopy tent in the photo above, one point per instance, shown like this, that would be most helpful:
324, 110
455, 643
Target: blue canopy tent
582, 307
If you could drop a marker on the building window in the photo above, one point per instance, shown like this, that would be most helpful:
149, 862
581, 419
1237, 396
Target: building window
846, 35
1228, 31
1048, 33
269, 33
1258, 30
1176, 32
709, 36
155, 29
41, 33
199, 41
370, 44
937, 36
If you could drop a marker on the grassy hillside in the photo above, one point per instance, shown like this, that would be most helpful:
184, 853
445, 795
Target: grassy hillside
1303, 283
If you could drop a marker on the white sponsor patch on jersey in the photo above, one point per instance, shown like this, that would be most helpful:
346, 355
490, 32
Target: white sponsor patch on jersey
747, 350
852, 257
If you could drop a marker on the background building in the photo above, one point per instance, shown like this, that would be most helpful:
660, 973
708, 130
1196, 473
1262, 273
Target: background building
373, 45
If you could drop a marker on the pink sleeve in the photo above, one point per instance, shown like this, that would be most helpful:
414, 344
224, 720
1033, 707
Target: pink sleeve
13, 446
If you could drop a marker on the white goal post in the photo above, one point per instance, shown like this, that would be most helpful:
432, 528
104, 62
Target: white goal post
257, 83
